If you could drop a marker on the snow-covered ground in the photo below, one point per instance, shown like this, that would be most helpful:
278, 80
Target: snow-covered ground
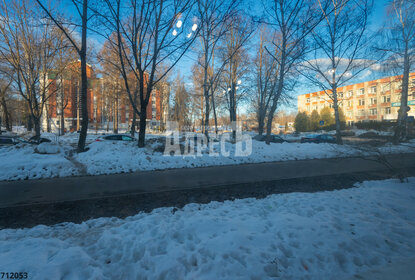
22, 162
326, 235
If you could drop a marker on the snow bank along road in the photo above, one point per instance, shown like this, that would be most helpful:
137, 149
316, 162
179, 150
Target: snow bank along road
106, 157
323, 235
77, 188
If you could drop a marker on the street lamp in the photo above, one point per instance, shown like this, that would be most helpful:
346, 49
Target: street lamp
179, 24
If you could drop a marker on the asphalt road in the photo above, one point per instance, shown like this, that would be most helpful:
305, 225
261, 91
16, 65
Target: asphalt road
47, 191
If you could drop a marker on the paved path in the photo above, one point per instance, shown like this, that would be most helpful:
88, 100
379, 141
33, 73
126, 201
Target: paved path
53, 190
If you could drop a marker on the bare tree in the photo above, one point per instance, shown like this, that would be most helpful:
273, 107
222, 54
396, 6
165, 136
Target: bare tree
180, 112
6, 81
111, 72
31, 49
149, 34
292, 21
264, 79
215, 15
340, 50
236, 60
397, 45
4, 89
81, 8
197, 96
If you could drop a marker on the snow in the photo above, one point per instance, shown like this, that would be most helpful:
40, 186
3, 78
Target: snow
47, 148
21, 162
108, 157
326, 235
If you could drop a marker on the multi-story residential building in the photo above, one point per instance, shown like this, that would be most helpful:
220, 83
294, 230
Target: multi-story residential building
104, 107
375, 100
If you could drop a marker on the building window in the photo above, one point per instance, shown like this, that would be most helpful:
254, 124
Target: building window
373, 89
373, 112
350, 93
386, 87
387, 110
341, 94
373, 101
361, 113
361, 91
350, 103
308, 100
361, 102
412, 95
386, 98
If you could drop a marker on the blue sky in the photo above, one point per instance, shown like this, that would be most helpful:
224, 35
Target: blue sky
251, 6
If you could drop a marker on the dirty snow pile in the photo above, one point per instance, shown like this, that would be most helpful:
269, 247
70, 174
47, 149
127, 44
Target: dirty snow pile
108, 157
22, 162
325, 235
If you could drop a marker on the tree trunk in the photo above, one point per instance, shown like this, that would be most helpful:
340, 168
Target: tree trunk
142, 132
232, 111
400, 127
269, 122
84, 81
6, 113
48, 124
214, 115
261, 120
37, 126
206, 124
62, 121
133, 124
339, 139
115, 119
29, 123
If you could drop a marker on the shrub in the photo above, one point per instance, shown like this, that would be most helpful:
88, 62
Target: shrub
314, 120
301, 122
376, 125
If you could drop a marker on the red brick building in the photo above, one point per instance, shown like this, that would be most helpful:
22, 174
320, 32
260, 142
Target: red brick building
103, 109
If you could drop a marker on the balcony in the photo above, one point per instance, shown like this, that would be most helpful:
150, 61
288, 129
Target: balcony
386, 104
360, 106
361, 118
373, 117
372, 106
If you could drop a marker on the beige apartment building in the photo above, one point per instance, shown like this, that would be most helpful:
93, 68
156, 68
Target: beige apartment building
375, 100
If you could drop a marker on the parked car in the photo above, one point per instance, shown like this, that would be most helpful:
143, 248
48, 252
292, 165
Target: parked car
38, 140
274, 138
11, 140
116, 137
318, 138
